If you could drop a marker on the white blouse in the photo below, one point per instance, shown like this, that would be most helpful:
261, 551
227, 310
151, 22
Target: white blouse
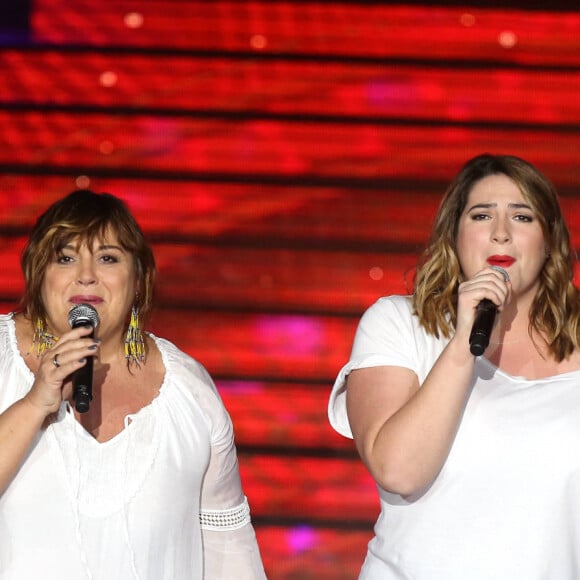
162, 500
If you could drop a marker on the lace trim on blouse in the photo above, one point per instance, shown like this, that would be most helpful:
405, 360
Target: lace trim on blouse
225, 520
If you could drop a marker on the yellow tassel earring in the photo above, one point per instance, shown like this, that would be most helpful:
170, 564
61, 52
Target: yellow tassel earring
134, 342
42, 340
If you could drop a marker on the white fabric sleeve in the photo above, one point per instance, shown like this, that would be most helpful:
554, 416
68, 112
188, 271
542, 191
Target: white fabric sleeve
385, 336
229, 543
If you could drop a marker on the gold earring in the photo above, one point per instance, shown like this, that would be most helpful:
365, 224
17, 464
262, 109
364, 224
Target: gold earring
41, 339
134, 342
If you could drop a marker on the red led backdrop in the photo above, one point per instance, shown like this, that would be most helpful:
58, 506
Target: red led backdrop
286, 160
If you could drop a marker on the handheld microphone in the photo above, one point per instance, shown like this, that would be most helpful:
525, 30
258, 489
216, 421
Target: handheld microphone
483, 323
83, 315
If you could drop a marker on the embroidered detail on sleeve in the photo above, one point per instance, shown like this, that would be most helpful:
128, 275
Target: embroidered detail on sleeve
225, 520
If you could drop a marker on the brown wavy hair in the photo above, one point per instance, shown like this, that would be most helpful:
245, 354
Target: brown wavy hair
87, 216
555, 311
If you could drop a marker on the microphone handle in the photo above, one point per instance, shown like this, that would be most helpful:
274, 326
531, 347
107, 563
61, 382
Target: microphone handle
482, 327
83, 384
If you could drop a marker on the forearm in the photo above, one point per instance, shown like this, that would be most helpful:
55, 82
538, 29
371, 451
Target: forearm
19, 425
232, 554
408, 448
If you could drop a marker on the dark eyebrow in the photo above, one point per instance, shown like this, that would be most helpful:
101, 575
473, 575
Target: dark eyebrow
105, 247
492, 205
68, 246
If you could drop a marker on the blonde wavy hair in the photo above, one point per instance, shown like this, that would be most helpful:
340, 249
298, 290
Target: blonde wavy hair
555, 311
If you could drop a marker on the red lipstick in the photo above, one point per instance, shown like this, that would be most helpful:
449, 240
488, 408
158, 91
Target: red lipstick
503, 261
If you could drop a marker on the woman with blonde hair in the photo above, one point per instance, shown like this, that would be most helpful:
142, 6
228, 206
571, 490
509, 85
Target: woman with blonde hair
474, 456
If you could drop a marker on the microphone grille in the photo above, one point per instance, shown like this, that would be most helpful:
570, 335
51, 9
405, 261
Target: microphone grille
83, 314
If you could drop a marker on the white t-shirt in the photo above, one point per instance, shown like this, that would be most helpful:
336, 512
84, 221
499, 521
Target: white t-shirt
506, 504
129, 508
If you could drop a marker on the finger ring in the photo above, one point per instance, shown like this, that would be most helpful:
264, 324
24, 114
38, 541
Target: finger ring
55, 361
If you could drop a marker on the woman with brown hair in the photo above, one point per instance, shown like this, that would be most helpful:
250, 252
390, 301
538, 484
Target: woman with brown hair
474, 456
139, 479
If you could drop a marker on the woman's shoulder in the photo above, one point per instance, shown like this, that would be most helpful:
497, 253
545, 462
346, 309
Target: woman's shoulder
16, 376
392, 312
187, 382
179, 362
7, 319
391, 327
7, 329
404, 301
400, 303
185, 372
